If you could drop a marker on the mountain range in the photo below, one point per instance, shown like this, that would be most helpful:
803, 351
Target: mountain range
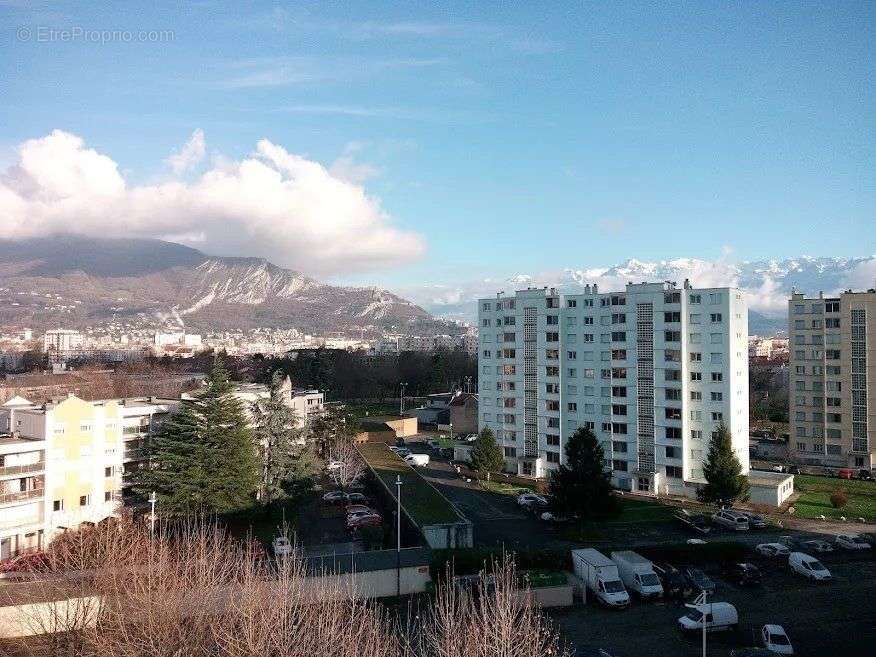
767, 283
76, 282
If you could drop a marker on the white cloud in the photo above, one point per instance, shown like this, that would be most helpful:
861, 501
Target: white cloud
863, 276
190, 155
348, 169
271, 203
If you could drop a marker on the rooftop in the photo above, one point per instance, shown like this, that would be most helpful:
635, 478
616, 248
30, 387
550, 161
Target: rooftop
766, 478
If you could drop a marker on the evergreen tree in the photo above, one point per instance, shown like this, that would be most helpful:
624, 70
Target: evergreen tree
486, 455
202, 459
581, 485
722, 470
285, 461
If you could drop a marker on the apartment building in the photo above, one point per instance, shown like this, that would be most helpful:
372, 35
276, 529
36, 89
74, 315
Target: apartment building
62, 340
652, 370
832, 396
307, 404
63, 463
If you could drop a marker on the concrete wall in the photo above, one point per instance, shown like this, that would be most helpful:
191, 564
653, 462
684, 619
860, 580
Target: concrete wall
451, 535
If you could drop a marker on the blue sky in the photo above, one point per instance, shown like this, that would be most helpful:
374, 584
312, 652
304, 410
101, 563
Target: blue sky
506, 137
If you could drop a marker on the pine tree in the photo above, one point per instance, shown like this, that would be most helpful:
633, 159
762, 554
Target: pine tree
581, 485
722, 470
203, 459
286, 462
486, 455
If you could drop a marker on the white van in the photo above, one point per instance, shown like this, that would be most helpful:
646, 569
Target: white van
637, 574
718, 616
810, 567
600, 575
731, 520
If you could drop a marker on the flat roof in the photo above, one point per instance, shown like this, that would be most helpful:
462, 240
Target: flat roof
767, 478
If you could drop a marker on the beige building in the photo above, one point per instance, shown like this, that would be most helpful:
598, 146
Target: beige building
832, 373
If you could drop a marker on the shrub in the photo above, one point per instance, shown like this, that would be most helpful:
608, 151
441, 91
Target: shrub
838, 499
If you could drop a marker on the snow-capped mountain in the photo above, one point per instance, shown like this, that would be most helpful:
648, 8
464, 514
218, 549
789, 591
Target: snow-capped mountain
767, 283
76, 282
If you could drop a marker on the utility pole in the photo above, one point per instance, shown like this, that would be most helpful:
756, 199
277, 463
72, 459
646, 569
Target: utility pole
401, 401
700, 605
398, 485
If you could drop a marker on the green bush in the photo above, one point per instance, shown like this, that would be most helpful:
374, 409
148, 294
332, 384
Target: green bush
838, 499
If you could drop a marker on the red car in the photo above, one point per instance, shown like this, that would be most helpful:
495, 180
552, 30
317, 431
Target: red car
25, 563
371, 520
845, 473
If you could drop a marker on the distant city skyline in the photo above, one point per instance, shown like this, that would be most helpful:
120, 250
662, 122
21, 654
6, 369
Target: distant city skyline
419, 147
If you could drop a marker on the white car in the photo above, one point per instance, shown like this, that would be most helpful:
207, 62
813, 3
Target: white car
776, 640
817, 545
731, 520
852, 542
282, 546
716, 616
772, 550
808, 566
331, 466
529, 500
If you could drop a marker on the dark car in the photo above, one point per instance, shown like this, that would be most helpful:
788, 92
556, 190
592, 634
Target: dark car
674, 583
699, 581
866, 475
742, 574
794, 469
755, 521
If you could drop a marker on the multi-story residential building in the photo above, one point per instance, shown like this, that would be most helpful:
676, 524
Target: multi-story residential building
63, 463
61, 341
307, 404
832, 393
652, 370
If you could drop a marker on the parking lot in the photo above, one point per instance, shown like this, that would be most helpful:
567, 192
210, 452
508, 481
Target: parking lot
836, 619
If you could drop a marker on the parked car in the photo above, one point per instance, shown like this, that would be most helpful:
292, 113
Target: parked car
852, 542
365, 521
794, 470
357, 498
694, 521
354, 508
672, 579
699, 581
808, 566
331, 466
716, 616
791, 542
282, 546
817, 545
845, 473
433, 444
866, 475
355, 515
470, 438
530, 500
555, 517
772, 550
742, 574
776, 640
731, 520
401, 452
335, 497
755, 521
777, 468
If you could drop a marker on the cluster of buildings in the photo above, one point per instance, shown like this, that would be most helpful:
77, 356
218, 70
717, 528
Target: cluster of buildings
773, 348
66, 462
654, 369
468, 342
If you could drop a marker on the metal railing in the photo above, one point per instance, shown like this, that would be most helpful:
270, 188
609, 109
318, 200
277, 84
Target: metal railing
22, 469
21, 496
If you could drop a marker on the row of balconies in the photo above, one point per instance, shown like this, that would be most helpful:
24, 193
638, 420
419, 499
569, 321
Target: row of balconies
22, 496
27, 468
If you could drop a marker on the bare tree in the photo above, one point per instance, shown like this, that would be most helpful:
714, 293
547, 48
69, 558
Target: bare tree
347, 465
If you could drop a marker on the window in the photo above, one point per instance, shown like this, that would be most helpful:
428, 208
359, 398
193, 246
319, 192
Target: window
672, 336
83, 500
619, 447
552, 337
716, 358
717, 416
696, 338
58, 505
715, 298
673, 413
552, 354
620, 466
696, 434
570, 303
553, 439
107, 496
618, 318
717, 396
487, 353
801, 447
619, 336
673, 472
552, 388
571, 337
716, 338
695, 298
673, 433
572, 355
553, 302
572, 372
696, 357
572, 407
552, 371
672, 375
553, 320
588, 321
108, 472
716, 318
695, 395
618, 354
673, 316
673, 394
619, 409
696, 376
552, 457
510, 452
486, 322
672, 297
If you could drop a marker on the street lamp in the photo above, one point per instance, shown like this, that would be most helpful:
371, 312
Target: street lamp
401, 401
398, 485
700, 601
153, 498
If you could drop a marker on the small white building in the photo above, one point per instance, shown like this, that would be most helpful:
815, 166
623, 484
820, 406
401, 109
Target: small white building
770, 488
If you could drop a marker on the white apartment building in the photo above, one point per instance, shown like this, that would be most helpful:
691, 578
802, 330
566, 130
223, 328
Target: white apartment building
832, 394
652, 370
62, 340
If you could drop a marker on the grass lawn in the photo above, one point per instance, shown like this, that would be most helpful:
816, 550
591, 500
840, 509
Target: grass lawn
633, 513
815, 494
502, 488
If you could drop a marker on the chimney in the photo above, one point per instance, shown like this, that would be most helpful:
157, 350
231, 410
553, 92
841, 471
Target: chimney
595, 289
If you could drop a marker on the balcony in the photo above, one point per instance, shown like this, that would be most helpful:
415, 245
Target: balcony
22, 496
27, 468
